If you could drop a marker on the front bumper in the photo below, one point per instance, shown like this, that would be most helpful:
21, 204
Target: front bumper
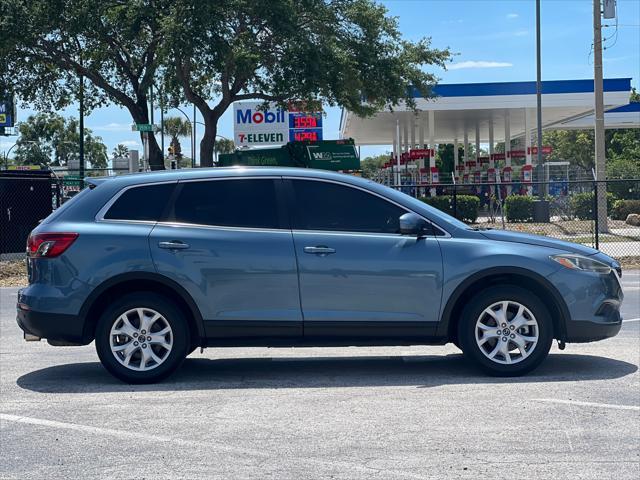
593, 303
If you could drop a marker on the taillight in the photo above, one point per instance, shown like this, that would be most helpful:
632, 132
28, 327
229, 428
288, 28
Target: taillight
49, 245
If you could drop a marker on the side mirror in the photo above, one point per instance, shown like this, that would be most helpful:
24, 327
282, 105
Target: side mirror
412, 224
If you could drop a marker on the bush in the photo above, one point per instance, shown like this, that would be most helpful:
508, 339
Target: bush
518, 208
582, 205
622, 208
466, 205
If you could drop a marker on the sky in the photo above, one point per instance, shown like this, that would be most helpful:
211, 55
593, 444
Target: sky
493, 41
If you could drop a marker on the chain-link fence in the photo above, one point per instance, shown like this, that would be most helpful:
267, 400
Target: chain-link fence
567, 210
28, 196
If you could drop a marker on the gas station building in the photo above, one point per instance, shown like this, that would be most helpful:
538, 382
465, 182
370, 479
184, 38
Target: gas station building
484, 113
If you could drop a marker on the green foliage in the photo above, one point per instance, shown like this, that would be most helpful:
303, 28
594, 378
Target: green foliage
311, 51
224, 145
370, 166
466, 206
120, 151
50, 139
518, 208
582, 205
622, 208
114, 45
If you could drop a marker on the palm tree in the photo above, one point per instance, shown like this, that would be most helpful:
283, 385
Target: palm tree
176, 127
223, 145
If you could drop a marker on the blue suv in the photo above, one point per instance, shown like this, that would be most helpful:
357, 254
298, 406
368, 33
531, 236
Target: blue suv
152, 266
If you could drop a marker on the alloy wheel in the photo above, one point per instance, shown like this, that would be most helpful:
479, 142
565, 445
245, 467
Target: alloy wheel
141, 339
507, 332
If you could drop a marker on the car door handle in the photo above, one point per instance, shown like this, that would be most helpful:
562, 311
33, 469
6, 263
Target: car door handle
320, 250
174, 245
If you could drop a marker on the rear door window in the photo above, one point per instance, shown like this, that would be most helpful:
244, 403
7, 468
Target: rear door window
144, 203
248, 203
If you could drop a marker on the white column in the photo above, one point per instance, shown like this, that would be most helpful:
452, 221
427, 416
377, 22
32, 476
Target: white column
477, 144
527, 135
421, 123
432, 134
397, 169
455, 157
413, 131
405, 134
466, 150
507, 139
507, 144
491, 162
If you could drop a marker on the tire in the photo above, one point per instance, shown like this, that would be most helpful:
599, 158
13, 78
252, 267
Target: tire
119, 331
483, 339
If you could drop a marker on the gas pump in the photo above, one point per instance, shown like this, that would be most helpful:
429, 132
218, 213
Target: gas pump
491, 175
527, 177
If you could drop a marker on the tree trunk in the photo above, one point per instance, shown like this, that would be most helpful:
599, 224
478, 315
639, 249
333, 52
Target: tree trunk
208, 140
141, 115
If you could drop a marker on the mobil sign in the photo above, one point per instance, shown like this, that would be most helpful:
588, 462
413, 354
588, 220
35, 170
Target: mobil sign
253, 125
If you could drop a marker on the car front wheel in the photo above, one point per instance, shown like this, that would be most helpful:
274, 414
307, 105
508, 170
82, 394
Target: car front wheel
142, 338
505, 330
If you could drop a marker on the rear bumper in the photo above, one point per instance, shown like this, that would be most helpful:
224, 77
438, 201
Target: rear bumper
52, 326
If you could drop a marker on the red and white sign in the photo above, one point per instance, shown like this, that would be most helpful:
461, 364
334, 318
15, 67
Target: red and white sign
498, 156
527, 173
483, 160
417, 153
517, 154
546, 150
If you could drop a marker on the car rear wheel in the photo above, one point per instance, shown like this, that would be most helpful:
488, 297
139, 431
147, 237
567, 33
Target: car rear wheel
142, 338
506, 330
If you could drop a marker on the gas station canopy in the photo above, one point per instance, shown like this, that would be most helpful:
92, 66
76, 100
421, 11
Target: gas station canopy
489, 112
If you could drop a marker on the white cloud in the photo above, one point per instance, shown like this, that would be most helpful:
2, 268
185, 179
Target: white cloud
512, 15
128, 143
112, 127
478, 64
521, 33
4, 144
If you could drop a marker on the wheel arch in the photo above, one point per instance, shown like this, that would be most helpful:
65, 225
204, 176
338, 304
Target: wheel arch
141, 281
521, 277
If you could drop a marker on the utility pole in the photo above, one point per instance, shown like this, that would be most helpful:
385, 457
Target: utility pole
193, 160
601, 186
81, 101
541, 191
162, 122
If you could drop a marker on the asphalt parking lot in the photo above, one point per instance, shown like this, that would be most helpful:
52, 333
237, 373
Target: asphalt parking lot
402, 412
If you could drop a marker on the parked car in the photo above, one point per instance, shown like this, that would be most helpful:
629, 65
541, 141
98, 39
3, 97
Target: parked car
152, 266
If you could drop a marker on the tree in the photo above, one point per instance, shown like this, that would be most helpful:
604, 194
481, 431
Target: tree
224, 145
50, 139
113, 44
370, 166
176, 127
120, 151
347, 52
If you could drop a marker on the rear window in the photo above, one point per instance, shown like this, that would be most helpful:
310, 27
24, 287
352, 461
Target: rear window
144, 203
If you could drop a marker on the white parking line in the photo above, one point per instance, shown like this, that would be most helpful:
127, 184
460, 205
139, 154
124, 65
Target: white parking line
588, 404
208, 445
631, 320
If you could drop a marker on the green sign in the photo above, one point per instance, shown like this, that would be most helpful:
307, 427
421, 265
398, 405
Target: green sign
144, 127
333, 156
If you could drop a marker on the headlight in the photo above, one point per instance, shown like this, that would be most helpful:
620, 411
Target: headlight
578, 262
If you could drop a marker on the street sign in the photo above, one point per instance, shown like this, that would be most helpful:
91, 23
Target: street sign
142, 127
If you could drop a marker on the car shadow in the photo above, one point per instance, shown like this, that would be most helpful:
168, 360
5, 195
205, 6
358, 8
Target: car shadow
321, 372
